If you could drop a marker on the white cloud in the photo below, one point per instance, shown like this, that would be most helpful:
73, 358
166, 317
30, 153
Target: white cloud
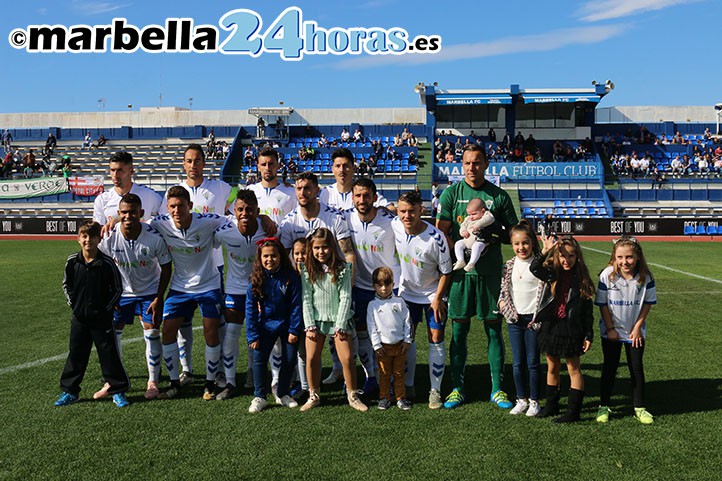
608, 9
528, 43
42, 11
87, 7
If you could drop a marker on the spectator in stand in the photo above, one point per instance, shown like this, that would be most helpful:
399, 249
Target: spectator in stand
588, 145
458, 150
390, 153
281, 127
260, 128
686, 165
87, 141
438, 144
442, 133
102, 141
357, 136
580, 153
490, 151
492, 135
322, 141
412, 142
657, 178
449, 157
568, 153
703, 166
51, 143
440, 156
676, 165
644, 165
678, 139
707, 134
302, 153
397, 141
7, 140
458, 146
530, 143
519, 139
412, 158
405, 136
363, 168
718, 166
644, 136
538, 155
558, 149
211, 139
506, 141
29, 161
528, 157
345, 135
292, 169
518, 152
634, 164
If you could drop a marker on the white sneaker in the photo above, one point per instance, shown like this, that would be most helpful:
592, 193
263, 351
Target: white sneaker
257, 405
534, 409
459, 265
333, 378
287, 401
313, 401
469, 267
435, 399
521, 406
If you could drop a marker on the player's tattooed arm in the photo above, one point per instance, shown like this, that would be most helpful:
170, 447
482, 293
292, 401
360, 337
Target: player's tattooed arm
349, 254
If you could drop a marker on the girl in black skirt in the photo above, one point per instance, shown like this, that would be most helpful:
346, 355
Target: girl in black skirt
566, 313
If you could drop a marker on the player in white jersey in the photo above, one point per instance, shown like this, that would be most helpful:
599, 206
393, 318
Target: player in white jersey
373, 240
239, 238
425, 280
195, 281
275, 199
105, 207
340, 194
142, 257
306, 218
209, 196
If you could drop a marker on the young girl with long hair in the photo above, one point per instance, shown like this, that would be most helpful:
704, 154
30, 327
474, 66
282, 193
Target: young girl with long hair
273, 311
625, 295
326, 283
566, 314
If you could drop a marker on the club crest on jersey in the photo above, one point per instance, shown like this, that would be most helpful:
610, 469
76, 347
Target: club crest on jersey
489, 203
144, 251
418, 251
207, 195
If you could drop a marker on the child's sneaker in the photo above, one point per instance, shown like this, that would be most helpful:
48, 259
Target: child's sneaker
257, 405
102, 392
603, 414
314, 400
355, 402
454, 400
644, 416
384, 404
469, 267
185, 378
521, 406
66, 398
151, 391
534, 409
403, 404
287, 401
297, 392
500, 399
460, 264
120, 400
435, 399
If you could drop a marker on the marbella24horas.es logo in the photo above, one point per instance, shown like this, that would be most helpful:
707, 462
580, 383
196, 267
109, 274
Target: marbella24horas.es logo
243, 32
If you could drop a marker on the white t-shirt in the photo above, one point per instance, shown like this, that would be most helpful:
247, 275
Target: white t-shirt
343, 201
294, 225
241, 254
524, 286
275, 202
210, 197
138, 260
194, 271
624, 298
106, 204
388, 321
375, 246
423, 258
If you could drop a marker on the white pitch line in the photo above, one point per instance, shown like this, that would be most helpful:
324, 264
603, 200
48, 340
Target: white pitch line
661, 266
59, 357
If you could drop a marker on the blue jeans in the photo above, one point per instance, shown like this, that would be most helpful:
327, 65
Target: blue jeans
525, 352
260, 363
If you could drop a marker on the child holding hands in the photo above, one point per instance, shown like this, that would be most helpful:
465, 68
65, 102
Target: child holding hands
389, 326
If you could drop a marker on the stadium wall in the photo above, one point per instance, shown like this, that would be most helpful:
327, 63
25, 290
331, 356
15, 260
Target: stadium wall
654, 114
150, 117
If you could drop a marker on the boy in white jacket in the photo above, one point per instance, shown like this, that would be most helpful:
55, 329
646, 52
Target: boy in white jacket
389, 327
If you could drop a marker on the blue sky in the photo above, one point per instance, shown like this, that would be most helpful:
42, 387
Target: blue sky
657, 52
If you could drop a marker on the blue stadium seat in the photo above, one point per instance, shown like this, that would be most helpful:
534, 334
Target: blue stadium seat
527, 212
592, 211
700, 230
599, 203
712, 230
688, 230
558, 211
558, 203
413, 168
567, 203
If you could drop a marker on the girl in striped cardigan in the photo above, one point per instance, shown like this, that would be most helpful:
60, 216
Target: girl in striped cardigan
326, 287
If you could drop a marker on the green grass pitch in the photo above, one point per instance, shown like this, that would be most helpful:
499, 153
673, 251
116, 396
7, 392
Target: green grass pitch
188, 438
